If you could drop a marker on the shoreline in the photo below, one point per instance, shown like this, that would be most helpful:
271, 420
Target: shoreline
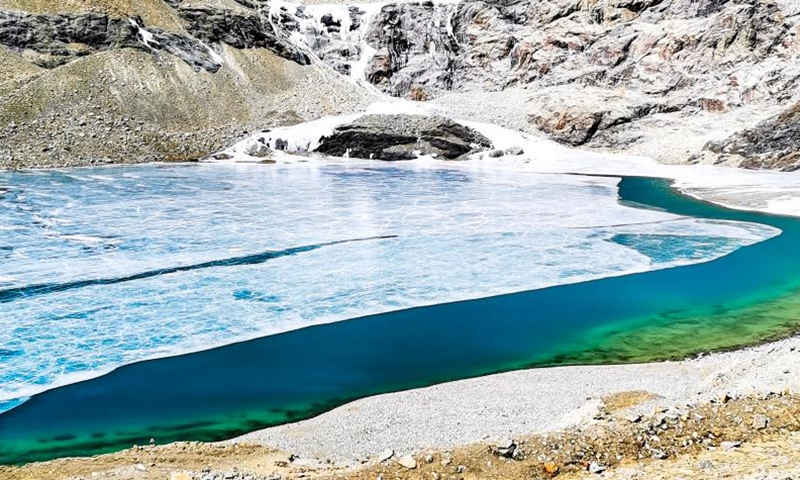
599, 408
525, 402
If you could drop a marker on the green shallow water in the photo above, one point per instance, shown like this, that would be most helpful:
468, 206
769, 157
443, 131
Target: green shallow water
749, 296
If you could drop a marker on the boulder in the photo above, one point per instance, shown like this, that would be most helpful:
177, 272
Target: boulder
403, 137
258, 150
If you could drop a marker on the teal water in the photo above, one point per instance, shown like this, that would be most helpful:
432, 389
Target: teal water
745, 297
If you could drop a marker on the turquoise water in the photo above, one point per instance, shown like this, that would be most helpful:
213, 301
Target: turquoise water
744, 297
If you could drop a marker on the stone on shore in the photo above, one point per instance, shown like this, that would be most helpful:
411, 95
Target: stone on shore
403, 137
407, 461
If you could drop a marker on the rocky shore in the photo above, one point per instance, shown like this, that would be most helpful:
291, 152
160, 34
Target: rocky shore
693, 418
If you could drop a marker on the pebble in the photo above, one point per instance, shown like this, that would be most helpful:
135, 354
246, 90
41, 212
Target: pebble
760, 422
385, 455
407, 461
595, 467
727, 446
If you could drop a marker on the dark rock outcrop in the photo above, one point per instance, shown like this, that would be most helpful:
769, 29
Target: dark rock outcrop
240, 31
400, 137
59, 39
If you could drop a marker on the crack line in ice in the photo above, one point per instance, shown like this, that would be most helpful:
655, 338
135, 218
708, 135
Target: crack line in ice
28, 291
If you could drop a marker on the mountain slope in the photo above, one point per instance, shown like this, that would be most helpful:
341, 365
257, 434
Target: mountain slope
93, 87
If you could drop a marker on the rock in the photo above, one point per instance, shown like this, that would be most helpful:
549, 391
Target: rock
659, 454
760, 422
281, 144
727, 446
179, 476
572, 127
496, 154
140, 467
258, 150
705, 465
400, 137
407, 461
634, 418
385, 455
418, 94
518, 454
595, 467
240, 30
771, 144
54, 38
550, 468
514, 151
713, 105
505, 448
506, 444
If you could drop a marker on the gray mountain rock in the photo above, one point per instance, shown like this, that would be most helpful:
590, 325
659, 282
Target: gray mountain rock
772, 144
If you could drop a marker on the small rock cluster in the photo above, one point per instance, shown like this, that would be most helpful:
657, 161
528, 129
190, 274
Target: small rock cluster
723, 424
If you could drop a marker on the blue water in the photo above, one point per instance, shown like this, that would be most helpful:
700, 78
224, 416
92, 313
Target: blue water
444, 234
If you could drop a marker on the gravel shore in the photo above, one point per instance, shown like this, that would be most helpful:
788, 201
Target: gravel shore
525, 402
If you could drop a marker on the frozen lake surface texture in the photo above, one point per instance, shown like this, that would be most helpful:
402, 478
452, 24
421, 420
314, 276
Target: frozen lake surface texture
104, 267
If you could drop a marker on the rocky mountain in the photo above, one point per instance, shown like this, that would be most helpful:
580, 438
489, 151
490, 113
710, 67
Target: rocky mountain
679, 80
91, 81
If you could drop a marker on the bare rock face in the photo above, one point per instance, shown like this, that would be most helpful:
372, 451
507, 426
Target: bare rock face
239, 31
402, 137
60, 39
667, 58
772, 144
414, 47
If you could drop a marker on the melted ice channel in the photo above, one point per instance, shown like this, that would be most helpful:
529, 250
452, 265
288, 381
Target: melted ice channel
104, 267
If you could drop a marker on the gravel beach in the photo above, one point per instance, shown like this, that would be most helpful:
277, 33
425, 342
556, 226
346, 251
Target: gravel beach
525, 402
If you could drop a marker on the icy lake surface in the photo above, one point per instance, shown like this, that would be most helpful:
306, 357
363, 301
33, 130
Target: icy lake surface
104, 267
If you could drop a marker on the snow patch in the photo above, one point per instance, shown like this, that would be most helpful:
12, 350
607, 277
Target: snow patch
145, 36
